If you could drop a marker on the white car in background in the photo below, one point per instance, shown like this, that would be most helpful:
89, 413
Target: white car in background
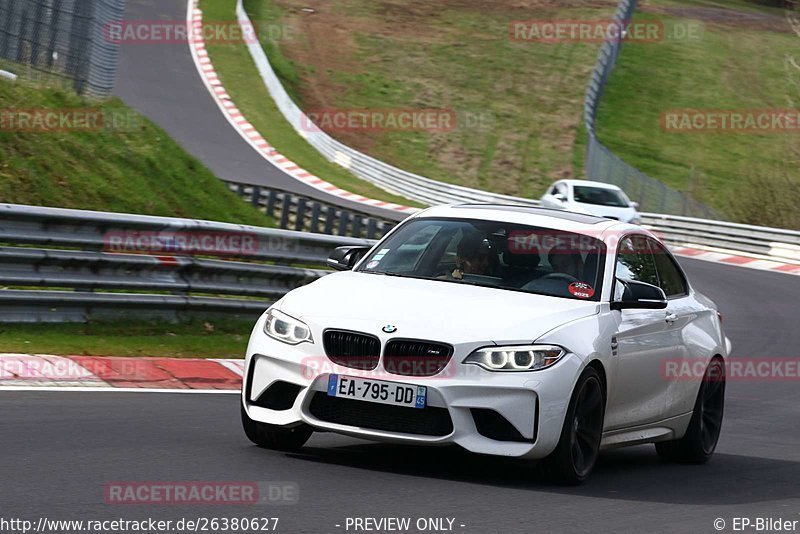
506, 330
594, 198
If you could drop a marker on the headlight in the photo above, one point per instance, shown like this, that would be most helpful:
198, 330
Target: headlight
286, 328
521, 358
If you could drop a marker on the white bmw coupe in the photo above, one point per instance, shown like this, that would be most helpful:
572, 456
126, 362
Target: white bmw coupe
506, 330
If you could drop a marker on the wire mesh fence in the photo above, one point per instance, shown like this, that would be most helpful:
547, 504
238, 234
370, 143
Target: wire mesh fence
603, 165
62, 41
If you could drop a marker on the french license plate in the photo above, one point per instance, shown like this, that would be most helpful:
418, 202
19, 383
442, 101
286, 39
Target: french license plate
379, 391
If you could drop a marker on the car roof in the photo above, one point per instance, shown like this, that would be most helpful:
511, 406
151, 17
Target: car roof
601, 185
527, 215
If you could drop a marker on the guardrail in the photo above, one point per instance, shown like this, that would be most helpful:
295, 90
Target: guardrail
62, 265
775, 243
304, 214
59, 265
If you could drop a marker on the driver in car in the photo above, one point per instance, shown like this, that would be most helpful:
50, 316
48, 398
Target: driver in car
475, 255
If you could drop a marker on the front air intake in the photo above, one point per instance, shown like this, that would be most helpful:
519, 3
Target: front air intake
411, 357
352, 349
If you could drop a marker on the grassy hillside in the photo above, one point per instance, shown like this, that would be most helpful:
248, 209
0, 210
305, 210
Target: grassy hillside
132, 166
517, 105
740, 62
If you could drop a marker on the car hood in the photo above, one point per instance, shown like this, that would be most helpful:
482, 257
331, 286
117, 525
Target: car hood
428, 309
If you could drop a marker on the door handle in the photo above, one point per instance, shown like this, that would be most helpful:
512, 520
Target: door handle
671, 317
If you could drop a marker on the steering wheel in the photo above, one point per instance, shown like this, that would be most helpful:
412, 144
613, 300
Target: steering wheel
559, 276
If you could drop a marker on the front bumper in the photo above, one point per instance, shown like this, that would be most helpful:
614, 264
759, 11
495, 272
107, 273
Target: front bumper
532, 404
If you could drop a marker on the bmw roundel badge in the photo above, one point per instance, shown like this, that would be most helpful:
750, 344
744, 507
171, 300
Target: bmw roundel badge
390, 329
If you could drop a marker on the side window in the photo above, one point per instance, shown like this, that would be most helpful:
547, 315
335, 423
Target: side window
669, 274
635, 261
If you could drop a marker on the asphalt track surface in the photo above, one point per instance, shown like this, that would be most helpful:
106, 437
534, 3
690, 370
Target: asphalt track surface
160, 81
60, 449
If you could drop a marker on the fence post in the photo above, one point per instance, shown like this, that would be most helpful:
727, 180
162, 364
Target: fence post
23, 30
301, 214
330, 218
372, 227
80, 44
271, 199
357, 225
286, 207
51, 45
255, 199
315, 211
38, 21
344, 218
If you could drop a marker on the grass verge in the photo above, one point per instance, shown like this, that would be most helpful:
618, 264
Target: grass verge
224, 338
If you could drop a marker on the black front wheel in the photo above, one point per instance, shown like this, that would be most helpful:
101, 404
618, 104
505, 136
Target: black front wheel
275, 437
698, 444
573, 459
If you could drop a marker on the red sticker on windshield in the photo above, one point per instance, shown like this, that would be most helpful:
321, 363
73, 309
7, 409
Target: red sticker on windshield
582, 290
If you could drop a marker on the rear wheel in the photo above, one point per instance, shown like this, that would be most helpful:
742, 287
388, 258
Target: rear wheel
698, 444
573, 459
275, 437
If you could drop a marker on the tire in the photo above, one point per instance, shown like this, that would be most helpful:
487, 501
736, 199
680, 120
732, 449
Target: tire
698, 444
574, 457
275, 437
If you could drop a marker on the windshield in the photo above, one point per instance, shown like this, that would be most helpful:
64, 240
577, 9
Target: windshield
599, 196
493, 254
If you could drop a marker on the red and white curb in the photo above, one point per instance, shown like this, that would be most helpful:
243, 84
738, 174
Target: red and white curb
108, 373
726, 257
248, 132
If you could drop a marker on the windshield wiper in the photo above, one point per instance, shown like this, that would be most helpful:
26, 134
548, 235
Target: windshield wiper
453, 280
384, 273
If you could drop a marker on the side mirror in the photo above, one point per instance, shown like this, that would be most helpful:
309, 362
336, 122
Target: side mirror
634, 205
640, 296
560, 197
345, 258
